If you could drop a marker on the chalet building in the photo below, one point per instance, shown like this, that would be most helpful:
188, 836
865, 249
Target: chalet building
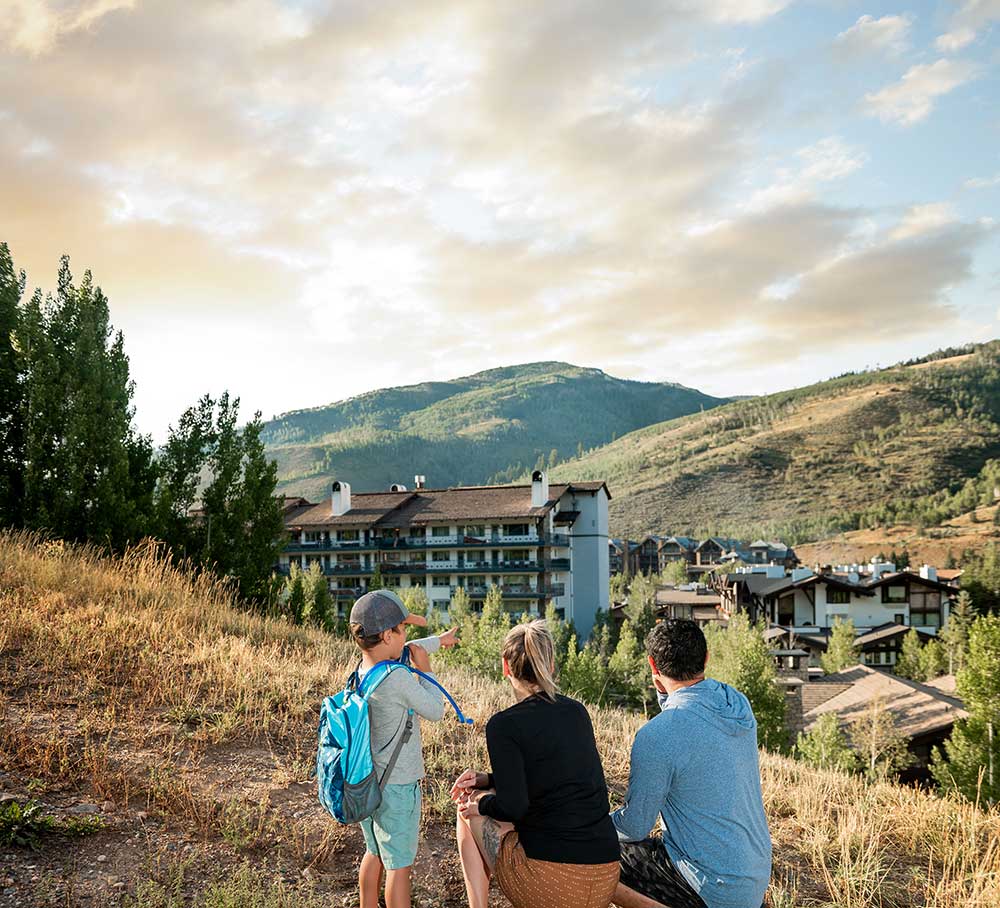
697, 603
538, 543
621, 557
924, 713
654, 553
882, 602
676, 548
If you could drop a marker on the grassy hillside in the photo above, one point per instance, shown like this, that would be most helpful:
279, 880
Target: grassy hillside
492, 425
867, 449
134, 695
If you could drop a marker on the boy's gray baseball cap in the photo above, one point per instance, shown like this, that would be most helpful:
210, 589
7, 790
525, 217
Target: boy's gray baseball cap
381, 610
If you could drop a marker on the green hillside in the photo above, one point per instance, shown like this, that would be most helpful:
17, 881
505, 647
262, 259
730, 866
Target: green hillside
912, 442
491, 426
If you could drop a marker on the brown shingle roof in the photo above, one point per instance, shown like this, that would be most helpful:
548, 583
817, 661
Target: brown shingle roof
917, 709
686, 597
423, 506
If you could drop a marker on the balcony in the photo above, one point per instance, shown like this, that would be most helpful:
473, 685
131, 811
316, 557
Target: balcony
333, 545
557, 564
515, 591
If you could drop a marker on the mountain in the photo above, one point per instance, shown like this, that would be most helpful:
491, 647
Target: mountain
491, 426
912, 443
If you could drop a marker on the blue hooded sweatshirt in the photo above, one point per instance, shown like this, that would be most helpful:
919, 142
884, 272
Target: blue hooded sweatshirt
696, 765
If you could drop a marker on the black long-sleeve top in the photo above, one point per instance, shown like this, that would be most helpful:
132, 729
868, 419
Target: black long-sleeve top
549, 781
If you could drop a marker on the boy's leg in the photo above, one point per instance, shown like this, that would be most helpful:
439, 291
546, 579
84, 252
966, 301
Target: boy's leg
369, 880
397, 888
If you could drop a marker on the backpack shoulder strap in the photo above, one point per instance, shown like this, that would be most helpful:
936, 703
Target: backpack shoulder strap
407, 732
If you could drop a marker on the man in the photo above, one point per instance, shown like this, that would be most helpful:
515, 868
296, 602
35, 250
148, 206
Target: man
695, 765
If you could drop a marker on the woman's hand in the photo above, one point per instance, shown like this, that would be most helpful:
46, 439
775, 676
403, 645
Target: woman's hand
449, 638
470, 808
466, 783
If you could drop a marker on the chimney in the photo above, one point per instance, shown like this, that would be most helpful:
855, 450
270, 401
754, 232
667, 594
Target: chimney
539, 489
419, 481
341, 498
928, 573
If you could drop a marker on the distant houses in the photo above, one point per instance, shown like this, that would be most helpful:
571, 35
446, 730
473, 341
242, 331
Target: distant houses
653, 554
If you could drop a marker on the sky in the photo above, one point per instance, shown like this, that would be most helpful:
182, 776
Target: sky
302, 200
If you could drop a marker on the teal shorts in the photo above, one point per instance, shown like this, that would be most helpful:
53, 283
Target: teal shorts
392, 832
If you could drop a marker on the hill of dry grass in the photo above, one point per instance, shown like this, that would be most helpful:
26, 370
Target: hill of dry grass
131, 693
808, 462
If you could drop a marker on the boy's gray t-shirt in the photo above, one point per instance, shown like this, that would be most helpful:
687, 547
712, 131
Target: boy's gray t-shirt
388, 706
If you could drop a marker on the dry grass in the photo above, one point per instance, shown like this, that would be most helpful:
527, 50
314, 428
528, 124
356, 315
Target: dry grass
134, 683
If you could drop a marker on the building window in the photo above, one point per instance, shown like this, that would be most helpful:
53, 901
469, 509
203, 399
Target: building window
348, 535
439, 556
349, 558
515, 555
479, 531
925, 609
438, 532
899, 618
417, 531
894, 593
515, 529
786, 610
838, 597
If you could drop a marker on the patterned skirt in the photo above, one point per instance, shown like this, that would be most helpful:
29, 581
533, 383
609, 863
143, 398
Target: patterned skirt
528, 883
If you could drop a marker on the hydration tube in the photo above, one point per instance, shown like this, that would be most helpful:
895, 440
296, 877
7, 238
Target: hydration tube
454, 705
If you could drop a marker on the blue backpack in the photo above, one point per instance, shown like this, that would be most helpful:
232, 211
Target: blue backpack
349, 786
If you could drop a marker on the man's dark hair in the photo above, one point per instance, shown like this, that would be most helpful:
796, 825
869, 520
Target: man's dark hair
678, 649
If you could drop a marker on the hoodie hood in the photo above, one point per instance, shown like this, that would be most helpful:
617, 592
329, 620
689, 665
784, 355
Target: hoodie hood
722, 706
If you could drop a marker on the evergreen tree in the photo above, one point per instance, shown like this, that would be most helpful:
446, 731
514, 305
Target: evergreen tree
617, 588
460, 606
880, 745
584, 675
675, 573
933, 660
955, 634
825, 746
88, 475
973, 752
908, 665
12, 392
628, 667
841, 651
377, 582
739, 657
319, 603
294, 594
484, 650
561, 633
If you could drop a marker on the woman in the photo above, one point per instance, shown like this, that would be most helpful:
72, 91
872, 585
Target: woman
540, 820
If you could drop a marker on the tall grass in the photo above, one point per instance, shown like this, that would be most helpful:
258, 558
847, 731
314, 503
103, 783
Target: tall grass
113, 671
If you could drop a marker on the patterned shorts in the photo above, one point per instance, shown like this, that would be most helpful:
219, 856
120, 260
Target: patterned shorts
529, 883
647, 869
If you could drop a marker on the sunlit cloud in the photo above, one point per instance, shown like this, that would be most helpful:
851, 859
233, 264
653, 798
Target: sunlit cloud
912, 98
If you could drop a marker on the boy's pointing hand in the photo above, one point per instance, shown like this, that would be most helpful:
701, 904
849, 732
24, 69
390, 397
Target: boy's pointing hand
449, 638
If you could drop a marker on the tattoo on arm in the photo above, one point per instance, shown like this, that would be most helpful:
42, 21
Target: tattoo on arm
491, 839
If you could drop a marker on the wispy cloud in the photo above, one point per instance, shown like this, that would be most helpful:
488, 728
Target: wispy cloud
912, 98
888, 34
965, 24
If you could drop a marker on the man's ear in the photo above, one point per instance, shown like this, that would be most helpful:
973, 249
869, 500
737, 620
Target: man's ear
706, 658
506, 667
652, 664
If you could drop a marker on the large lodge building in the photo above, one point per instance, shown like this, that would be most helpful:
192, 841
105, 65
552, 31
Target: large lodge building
537, 543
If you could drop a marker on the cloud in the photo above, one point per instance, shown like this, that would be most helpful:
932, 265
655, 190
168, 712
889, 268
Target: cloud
912, 98
966, 22
462, 181
36, 26
924, 219
869, 35
982, 182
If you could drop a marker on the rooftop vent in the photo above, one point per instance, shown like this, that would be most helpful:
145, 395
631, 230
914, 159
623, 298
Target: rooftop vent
397, 487
419, 481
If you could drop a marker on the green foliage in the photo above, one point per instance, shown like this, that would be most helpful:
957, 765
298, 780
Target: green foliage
489, 427
482, 652
617, 588
12, 392
880, 745
675, 573
933, 660
24, 825
295, 594
87, 473
955, 634
460, 606
640, 607
981, 578
909, 664
584, 674
825, 746
739, 657
841, 651
628, 668
562, 634
319, 609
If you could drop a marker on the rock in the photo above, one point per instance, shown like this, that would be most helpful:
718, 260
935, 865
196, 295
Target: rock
102, 858
83, 808
6, 798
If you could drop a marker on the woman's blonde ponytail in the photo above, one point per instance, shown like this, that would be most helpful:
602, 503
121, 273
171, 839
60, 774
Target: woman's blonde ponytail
530, 653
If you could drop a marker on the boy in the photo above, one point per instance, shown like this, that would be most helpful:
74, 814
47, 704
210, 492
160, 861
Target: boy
378, 624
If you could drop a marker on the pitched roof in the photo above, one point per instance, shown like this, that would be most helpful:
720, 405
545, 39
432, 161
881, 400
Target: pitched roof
917, 709
887, 632
670, 596
421, 506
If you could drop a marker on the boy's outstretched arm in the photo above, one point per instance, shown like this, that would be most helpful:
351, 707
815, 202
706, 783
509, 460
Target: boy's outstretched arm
421, 696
